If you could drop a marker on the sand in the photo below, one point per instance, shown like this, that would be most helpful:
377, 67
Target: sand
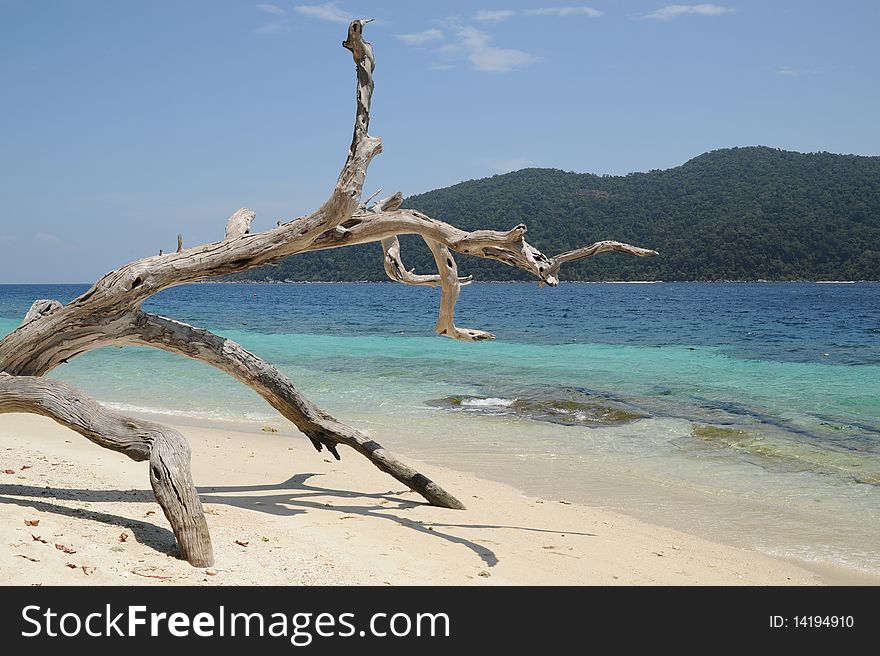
282, 514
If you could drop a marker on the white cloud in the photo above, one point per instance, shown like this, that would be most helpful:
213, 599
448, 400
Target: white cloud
329, 11
467, 42
278, 24
563, 11
500, 60
475, 45
494, 15
673, 11
421, 38
498, 15
790, 71
506, 165
271, 9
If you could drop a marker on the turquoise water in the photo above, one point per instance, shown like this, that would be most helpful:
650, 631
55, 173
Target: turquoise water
750, 411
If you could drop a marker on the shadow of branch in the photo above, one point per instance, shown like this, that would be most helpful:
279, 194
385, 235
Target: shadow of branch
152, 536
291, 497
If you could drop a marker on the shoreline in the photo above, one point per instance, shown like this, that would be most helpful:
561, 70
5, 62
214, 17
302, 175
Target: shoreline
310, 520
488, 282
561, 282
792, 533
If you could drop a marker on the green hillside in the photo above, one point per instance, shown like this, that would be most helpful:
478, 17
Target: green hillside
733, 214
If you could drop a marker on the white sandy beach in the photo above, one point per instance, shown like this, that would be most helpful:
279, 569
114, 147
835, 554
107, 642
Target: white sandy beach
282, 514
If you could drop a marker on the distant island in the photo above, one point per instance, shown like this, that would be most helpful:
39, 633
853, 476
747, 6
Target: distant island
752, 213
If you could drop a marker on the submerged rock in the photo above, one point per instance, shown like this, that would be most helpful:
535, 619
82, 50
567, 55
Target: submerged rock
778, 451
722, 434
567, 411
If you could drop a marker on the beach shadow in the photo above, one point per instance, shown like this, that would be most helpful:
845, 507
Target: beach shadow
147, 534
295, 496
276, 505
297, 493
520, 528
294, 492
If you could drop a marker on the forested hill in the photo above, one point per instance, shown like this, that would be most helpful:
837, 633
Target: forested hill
733, 214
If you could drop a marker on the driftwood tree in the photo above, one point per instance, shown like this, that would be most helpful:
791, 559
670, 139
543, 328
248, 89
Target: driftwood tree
109, 314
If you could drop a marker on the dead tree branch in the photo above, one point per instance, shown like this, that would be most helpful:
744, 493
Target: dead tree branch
109, 313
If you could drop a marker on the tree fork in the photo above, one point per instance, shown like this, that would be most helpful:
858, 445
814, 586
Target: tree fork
109, 314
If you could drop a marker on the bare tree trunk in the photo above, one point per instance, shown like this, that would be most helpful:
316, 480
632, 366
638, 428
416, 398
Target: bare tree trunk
109, 314
165, 448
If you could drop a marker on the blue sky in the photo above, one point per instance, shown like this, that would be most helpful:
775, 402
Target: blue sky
123, 123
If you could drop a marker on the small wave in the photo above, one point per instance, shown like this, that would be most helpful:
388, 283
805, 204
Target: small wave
864, 560
487, 402
214, 415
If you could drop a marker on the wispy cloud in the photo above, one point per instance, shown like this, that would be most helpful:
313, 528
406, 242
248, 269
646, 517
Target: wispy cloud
494, 15
790, 71
465, 42
674, 11
279, 24
563, 11
498, 15
476, 46
421, 38
329, 11
271, 9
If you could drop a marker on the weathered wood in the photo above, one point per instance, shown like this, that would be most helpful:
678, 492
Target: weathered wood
318, 425
172, 483
595, 249
239, 224
509, 247
109, 314
165, 448
451, 288
39, 309
397, 271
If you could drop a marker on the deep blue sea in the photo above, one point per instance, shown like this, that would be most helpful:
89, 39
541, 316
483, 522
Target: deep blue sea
745, 412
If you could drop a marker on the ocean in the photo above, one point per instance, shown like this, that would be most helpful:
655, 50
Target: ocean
745, 412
